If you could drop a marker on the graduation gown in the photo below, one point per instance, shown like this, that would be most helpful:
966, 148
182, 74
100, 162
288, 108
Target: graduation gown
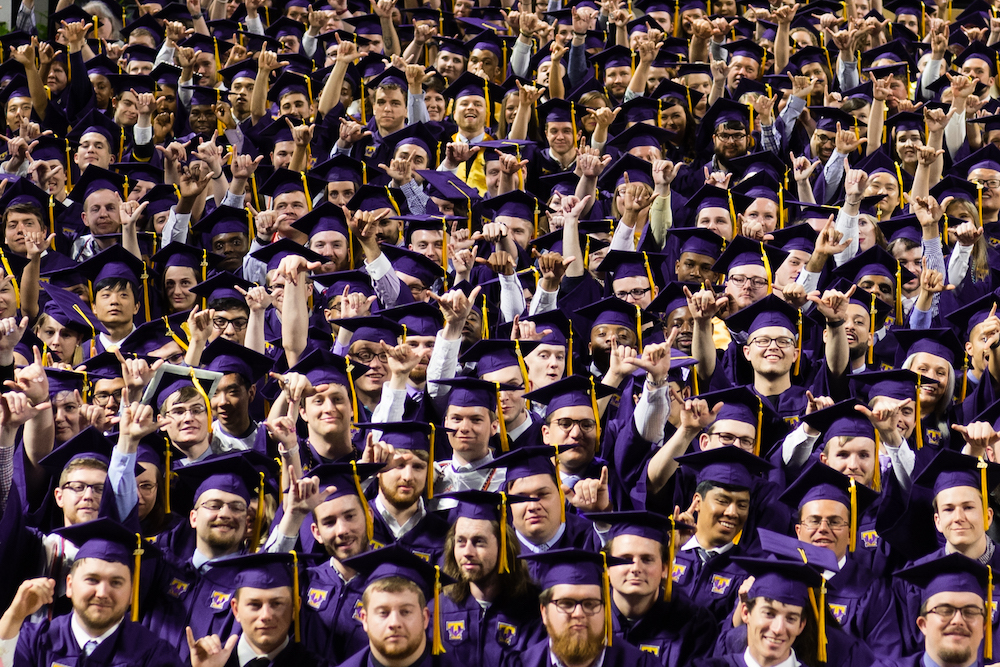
675, 632
477, 636
364, 658
53, 642
619, 654
331, 624
426, 538
713, 584
843, 650
293, 655
865, 607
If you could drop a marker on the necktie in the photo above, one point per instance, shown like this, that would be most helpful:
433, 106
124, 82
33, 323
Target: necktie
703, 554
89, 647
258, 662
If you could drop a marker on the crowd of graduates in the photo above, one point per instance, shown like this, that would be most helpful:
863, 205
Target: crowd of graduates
400, 334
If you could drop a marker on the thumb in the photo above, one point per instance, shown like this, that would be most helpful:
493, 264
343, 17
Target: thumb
231, 642
604, 476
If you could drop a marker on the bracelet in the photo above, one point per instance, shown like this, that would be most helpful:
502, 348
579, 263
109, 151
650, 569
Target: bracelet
852, 203
655, 385
579, 34
835, 325
526, 35
221, 174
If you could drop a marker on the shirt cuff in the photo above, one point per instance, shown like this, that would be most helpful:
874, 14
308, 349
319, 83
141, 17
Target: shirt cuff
142, 135
380, 268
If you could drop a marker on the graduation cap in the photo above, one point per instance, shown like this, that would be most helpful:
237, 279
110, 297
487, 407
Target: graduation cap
284, 181
326, 217
341, 168
987, 157
395, 560
170, 379
637, 169
87, 444
615, 56
97, 122
709, 196
373, 328
118, 264
641, 135
232, 473
244, 69
616, 312
741, 251
469, 392
224, 220
348, 479
796, 237
819, 481
335, 283
877, 262
699, 241
373, 197
727, 466
940, 342
273, 253
95, 179
745, 406
841, 420
322, 367
71, 312
411, 435
109, 541
141, 171
183, 255
224, 356
71, 14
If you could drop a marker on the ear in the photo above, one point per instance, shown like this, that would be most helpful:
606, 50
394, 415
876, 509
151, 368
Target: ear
427, 618
744, 613
703, 441
253, 392
58, 493
233, 606
968, 348
696, 502
193, 518
363, 617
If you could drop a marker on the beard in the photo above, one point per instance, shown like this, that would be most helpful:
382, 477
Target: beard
398, 651
955, 656
398, 500
419, 374
224, 543
573, 649
481, 577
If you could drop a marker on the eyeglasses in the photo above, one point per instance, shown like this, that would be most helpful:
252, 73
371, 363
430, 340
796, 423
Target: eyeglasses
366, 356
826, 138
834, 522
764, 342
590, 606
236, 507
239, 324
731, 138
636, 293
147, 487
80, 488
728, 439
102, 398
987, 183
566, 424
947, 612
196, 410
741, 280
416, 290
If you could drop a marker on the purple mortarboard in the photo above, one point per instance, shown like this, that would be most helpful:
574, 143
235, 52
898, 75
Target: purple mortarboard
746, 48
222, 285
395, 560
140, 171
564, 182
785, 547
390, 77
902, 227
166, 383
231, 473
456, 46
899, 383
224, 220
470, 84
340, 168
283, 181
744, 252
953, 573
373, 329
555, 327
796, 237
61, 380
572, 391
180, 254
515, 204
641, 135
285, 27
347, 477
482, 505
761, 186
418, 319
640, 523
224, 356
615, 56
821, 482
373, 197
979, 51
116, 263
768, 312
336, 282
876, 262
244, 69
494, 355
70, 311
637, 169
841, 420
446, 185
104, 539
784, 581
87, 444
204, 95
740, 404
987, 157
671, 298
629, 264
103, 66
278, 131
576, 567
940, 342
728, 466
323, 367
416, 134
49, 148
366, 24
152, 335
765, 162
414, 264
950, 469
709, 196
467, 392
616, 312
827, 118
263, 570
273, 253
699, 241
94, 179
968, 317
326, 217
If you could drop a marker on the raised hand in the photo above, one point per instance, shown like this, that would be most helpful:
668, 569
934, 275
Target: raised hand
703, 304
590, 495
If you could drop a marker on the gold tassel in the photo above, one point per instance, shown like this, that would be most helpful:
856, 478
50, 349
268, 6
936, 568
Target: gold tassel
920, 426
504, 444
988, 648
204, 397
437, 647
593, 405
369, 526
852, 543
767, 263
559, 487
258, 517
503, 567
430, 467
872, 312
137, 554
668, 585
295, 596
606, 593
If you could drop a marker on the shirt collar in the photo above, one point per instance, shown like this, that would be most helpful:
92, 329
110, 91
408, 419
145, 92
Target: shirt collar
515, 433
471, 467
545, 546
81, 635
694, 544
398, 530
791, 661
245, 652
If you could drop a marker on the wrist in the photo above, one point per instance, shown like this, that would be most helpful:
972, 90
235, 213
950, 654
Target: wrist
653, 382
835, 324
579, 34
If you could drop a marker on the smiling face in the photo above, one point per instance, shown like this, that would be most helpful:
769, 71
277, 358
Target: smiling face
772, 628
854, 457
958, 516
907, 142
470, 114
100, 212
577, 446
339, 525
511, 401
78, 496
219, 531
470, 431
953, 641
722, 513
328, 413
177, 284
777, 358
101, 592
814, 526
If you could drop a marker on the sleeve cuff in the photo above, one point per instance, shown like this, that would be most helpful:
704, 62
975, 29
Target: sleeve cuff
379, 268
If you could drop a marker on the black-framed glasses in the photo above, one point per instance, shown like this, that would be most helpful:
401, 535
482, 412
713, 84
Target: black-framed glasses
238, 323
728, 440
102, 398
236, 507
731, 138
566, 424
834, 522
741, 280
764, 342
636, 293
947, 612
591, 606
366, 356
80, 488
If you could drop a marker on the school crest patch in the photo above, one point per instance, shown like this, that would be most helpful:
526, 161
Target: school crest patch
792, 421
933, 436
870, 539
220, 599
425, 556
839, 612
678, 571
506, 633
357, 611
316, 597
720, 584
456, 630
177, 588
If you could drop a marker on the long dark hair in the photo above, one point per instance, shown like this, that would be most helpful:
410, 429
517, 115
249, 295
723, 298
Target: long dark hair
517, 584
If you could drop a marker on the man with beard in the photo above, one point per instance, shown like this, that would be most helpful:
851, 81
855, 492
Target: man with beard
954, 604
727, 125
399, 514
613, 322
100, 585
645, 614
574, 611
422, 321
501, 361
190, 595
616, 64
326, 228
264, 605
490, 613
395, 610
672, 308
